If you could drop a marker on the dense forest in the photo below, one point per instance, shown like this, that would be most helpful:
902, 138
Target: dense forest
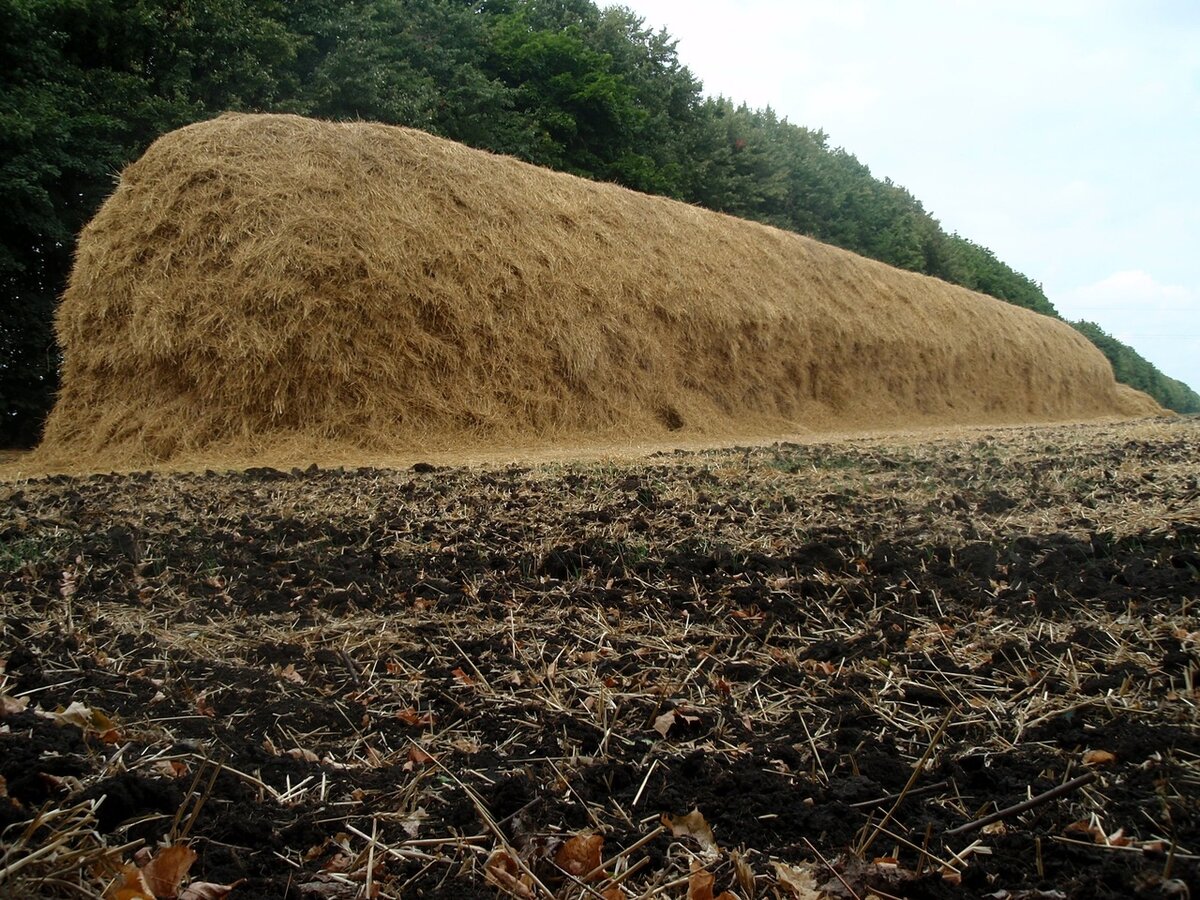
86, 85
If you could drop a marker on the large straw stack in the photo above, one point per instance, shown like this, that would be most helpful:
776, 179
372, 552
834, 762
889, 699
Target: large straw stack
258, 281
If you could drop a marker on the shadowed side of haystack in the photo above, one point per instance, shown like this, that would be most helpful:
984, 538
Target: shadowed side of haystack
261, 280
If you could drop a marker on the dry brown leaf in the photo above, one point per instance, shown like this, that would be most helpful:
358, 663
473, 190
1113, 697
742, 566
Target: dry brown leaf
289, 673
1118, 839
206, 890
89, 721
700, 883
580, 855
1097, 758
751, 614
10, 706
745, 875
1085, 829
326, 887
417, 757
412, 822
132, 886
819, 667
203, 706
410, 716
663, 723
339, 862
463, 677
695, 826
171, 768
799, 883
502, 871
165, 873
613, 892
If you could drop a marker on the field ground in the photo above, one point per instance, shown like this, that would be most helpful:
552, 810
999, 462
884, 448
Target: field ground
482, 682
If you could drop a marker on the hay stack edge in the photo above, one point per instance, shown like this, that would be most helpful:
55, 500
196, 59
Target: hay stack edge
258, 282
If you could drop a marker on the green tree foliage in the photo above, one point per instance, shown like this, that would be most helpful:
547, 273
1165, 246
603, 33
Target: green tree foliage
86, 85
1131, 368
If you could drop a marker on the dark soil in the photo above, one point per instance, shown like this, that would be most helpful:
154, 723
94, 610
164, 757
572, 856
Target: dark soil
453, 660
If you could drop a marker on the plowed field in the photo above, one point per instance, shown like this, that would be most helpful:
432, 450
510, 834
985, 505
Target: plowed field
494, 681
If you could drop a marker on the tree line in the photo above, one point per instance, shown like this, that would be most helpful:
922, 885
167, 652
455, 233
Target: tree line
86, 85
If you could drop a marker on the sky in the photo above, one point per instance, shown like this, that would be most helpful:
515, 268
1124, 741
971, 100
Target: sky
1064, 135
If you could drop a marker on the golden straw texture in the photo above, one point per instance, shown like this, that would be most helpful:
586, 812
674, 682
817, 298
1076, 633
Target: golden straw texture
265, 281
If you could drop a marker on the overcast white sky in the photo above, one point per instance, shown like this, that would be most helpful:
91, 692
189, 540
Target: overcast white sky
1062, 134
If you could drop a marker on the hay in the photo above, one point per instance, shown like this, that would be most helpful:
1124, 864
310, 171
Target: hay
258, 282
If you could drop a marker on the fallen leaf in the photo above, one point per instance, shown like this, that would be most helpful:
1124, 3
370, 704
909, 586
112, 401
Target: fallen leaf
745, 875
132, 886
206, 890
692, 825
289, 673
800, 883
327, 888
1096, 758
410, 716
89, 721
171, 768
463, 677
412, 822
417, 757
203, 706
1085, 829
339, 862
664, 722
10, 706
818, 667
167, 870
502, 871
613, 892
752, 614
1118, 839
580, 855
700, 883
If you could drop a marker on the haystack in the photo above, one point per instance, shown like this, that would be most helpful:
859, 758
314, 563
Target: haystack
266, 281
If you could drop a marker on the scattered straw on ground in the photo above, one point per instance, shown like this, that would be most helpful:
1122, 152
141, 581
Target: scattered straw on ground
948, 668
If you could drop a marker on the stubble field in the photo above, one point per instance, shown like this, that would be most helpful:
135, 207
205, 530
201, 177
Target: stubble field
792, 671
